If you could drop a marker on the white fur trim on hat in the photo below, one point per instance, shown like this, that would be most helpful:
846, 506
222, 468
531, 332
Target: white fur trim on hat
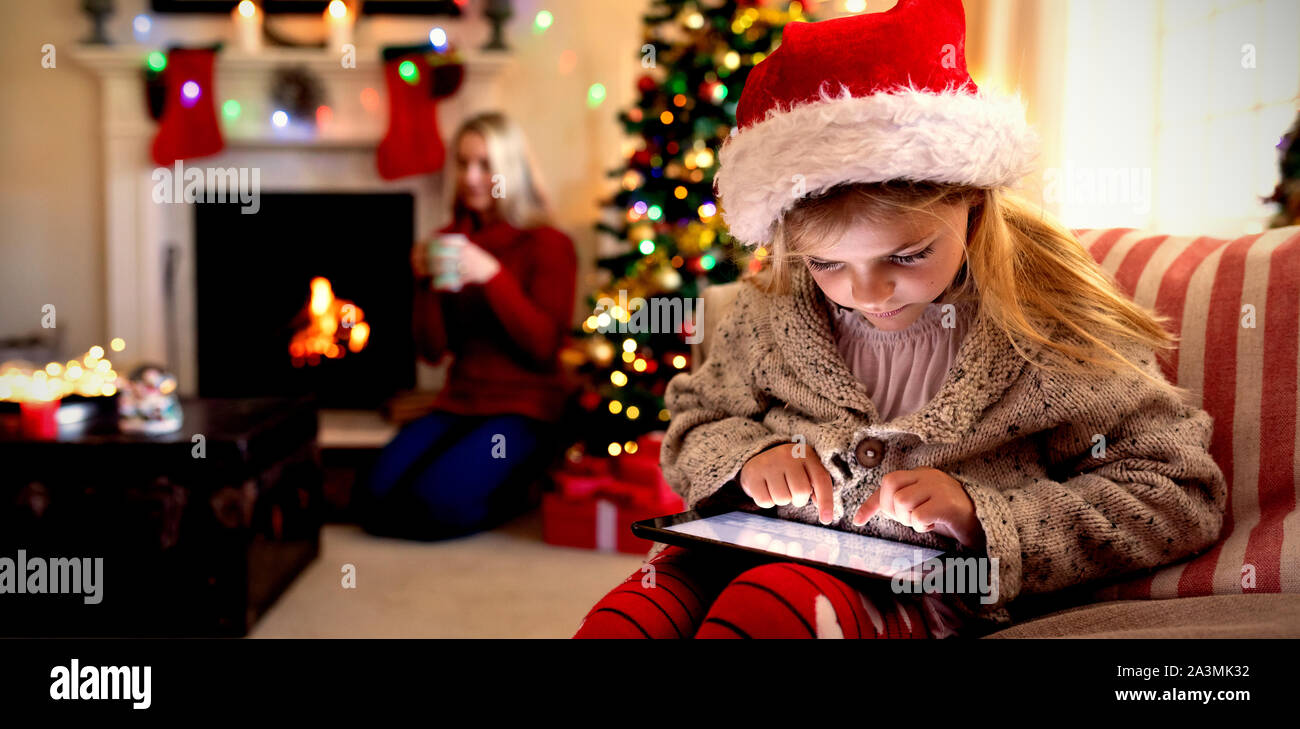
950, 136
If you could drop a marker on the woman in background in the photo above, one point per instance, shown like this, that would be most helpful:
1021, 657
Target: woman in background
502, 309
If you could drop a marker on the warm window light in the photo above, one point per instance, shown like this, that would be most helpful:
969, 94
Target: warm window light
1133, 169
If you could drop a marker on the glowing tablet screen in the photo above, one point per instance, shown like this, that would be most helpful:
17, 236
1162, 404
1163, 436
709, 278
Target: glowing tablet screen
805, 541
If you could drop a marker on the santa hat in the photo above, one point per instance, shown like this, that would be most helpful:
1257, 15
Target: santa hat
866, 98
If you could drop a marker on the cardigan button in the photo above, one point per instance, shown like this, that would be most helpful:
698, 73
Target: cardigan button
870, 452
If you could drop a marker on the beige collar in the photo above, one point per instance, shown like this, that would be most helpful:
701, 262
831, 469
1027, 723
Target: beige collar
985, 366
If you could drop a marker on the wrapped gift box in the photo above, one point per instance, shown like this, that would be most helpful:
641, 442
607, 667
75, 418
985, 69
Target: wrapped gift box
598, 499
599, 522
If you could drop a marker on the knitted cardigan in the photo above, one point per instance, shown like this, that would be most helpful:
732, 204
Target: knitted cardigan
1056, 510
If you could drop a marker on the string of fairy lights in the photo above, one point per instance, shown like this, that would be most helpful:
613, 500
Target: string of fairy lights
90, 375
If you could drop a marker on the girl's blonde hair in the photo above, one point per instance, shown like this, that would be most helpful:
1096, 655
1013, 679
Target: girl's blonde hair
523, 201
1023, 268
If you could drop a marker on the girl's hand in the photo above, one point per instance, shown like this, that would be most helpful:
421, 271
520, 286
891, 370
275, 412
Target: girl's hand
925, 499
778, 476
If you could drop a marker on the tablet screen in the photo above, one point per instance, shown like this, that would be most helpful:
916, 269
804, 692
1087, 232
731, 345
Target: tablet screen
805, 541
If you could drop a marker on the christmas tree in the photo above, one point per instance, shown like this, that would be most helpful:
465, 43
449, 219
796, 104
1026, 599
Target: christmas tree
1287, 192
662, 237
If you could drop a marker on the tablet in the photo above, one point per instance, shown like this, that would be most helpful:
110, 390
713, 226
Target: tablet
759, 532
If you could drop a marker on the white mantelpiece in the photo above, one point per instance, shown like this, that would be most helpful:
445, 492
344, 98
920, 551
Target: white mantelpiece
340, 157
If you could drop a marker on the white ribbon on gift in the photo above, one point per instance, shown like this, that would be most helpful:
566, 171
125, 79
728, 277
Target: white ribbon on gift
606, 525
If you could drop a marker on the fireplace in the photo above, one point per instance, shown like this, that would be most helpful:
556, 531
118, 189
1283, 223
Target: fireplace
253, 284
151, 251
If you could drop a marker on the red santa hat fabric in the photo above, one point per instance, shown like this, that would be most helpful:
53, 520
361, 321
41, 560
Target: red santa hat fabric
866, 98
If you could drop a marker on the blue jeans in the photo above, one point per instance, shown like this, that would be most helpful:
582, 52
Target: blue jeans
446, 475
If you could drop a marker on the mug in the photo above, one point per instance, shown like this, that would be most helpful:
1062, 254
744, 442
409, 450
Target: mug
443, 260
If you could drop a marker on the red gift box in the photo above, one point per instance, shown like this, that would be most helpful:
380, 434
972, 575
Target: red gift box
578, 485
651, 443
595, 523
599, 498
645, 471
637, 468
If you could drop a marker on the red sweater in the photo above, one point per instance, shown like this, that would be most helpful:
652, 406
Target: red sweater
505, 335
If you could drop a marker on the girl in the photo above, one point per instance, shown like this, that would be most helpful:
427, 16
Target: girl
473, 462
923, 358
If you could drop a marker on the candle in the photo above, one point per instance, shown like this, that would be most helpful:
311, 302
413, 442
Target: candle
38, 419
338, 26
247, 18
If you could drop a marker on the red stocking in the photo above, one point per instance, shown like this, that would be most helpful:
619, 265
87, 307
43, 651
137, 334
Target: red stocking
189, 123
413, 144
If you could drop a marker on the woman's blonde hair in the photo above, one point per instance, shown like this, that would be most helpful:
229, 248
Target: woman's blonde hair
1023, 268
519, 191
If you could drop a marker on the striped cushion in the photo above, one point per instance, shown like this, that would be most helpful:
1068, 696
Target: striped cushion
1245, 377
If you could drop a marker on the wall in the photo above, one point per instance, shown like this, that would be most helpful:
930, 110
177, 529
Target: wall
51, 215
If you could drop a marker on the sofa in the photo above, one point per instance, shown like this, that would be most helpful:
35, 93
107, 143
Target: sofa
1234, 304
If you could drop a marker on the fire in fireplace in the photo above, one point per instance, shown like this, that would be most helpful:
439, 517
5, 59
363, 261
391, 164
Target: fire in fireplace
311, 294
327, 327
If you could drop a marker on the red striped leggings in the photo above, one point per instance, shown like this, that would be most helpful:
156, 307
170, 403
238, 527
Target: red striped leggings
689, 594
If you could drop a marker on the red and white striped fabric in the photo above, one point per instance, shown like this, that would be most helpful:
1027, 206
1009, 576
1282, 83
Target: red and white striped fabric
1245, 376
